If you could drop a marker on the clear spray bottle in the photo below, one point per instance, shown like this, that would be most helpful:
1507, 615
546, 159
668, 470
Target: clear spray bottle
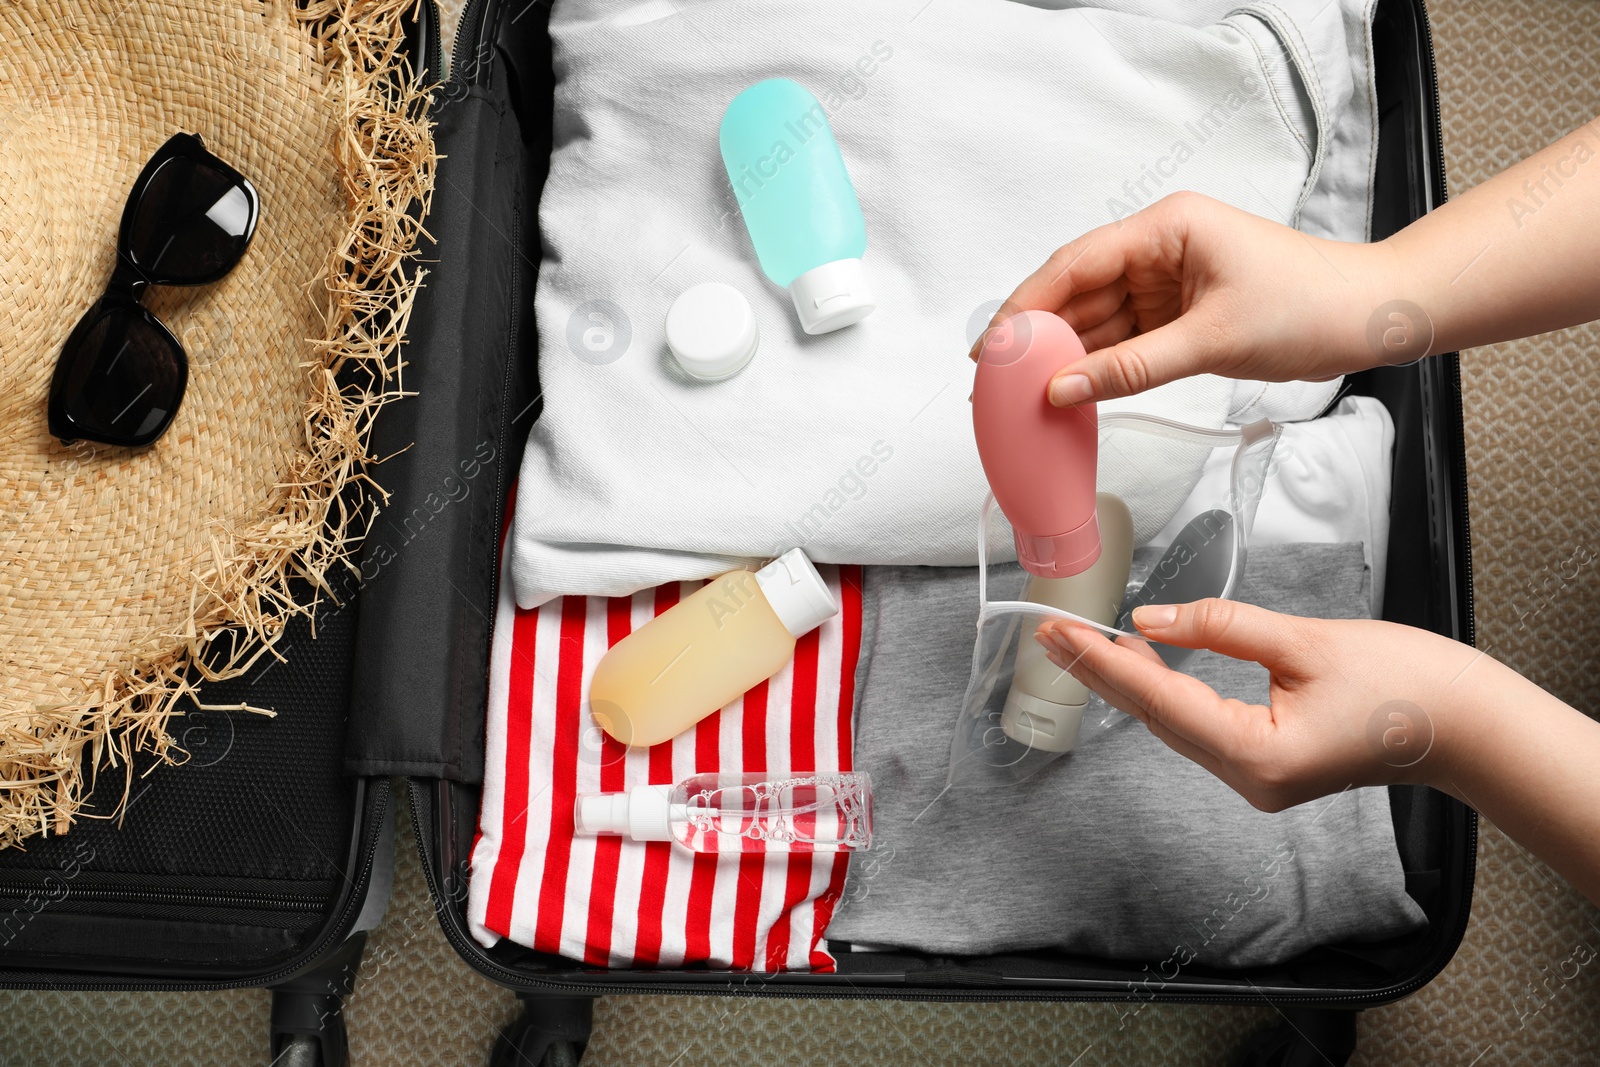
823, 812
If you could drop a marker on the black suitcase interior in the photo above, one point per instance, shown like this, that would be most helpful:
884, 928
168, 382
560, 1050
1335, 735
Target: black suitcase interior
249, 866
239, 868
474, 343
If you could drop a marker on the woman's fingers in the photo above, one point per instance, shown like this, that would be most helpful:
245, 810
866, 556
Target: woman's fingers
1123, 702
1132, 365
1117, 327
1142, 647
1087, 310
1007, 310
1242, 631
1100, 318
1096, 261
1187, 706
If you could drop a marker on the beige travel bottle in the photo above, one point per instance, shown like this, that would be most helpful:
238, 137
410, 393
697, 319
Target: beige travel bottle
707, 650
1044, 708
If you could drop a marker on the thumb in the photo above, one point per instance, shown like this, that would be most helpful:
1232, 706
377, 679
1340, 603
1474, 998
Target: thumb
1142, 362
1242, 631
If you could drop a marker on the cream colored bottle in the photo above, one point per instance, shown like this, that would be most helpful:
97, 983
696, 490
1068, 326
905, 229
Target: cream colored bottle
1044, 708
707, 650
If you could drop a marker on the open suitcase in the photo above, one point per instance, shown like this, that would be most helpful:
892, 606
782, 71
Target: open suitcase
419, 700
260, 862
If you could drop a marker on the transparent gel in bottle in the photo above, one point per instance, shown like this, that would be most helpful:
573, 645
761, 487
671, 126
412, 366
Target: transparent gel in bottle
824, 812
707, 649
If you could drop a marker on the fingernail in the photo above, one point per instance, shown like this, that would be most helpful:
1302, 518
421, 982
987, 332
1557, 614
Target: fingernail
1070, 389
1155, 616
1062, 642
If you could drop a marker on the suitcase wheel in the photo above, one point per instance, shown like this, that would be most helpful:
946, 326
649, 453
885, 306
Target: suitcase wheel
299, 1050
551, 1032
1306, 1038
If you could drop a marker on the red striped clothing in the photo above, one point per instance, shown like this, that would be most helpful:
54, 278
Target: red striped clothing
613, 902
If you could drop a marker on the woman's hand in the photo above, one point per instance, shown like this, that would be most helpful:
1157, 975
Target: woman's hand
1190, 285
1353, 702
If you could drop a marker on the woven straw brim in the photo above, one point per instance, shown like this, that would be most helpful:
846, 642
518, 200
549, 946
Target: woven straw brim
126, 576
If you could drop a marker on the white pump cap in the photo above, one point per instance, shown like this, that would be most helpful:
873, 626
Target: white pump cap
711, 330
797, 593
642, 813
832, 296
1041, 724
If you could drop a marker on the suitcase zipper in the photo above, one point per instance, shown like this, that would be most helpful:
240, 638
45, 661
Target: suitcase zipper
471, 15
802, 986
1462, 519
263, 902
502, 468
441, 62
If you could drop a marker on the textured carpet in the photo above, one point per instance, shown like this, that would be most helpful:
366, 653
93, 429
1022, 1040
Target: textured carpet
1513, 76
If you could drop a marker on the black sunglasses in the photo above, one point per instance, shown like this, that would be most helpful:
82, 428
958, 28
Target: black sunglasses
121, 374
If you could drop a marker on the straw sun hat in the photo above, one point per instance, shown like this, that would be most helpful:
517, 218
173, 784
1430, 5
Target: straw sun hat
129, 576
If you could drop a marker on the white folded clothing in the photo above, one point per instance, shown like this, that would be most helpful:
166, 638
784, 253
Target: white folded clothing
1331, 43
979, 137
1329, 481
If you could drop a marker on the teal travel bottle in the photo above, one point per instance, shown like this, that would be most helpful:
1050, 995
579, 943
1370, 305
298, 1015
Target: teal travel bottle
797, 201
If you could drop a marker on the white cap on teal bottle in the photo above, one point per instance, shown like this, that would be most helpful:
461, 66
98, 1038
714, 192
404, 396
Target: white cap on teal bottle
832, 296
798, 595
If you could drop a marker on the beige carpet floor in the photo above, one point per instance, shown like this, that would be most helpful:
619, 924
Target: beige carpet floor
1514, 75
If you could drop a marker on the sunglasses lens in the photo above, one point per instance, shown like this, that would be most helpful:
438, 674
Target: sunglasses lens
119, 379
191, 224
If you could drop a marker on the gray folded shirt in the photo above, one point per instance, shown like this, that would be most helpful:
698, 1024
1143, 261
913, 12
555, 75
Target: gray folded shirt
1124, 849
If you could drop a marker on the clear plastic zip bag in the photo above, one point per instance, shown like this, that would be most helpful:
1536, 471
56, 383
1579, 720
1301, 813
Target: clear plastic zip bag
997, 740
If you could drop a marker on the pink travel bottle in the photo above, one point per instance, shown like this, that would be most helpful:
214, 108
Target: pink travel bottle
1076, 545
